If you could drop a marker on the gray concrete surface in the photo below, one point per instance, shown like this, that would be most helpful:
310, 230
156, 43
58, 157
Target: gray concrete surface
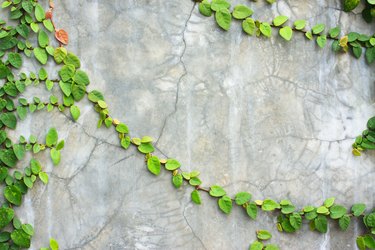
273, 118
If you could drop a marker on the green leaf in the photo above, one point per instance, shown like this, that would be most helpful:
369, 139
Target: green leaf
271, 246
320, 223
81, 77
321, 41
51, 137
295, 221
205, 8
242, 11
41, 55
43, 75
270, 205
9, 120
217, 5
280, 20
287, 209
4, 71
13, 195
125, 142
319, 28
146, 148
15, 60
322, 210
286, 33
256, 245
53, 244
177, 180
172, 164
67, 72
252, 210
361, 243
35, 166
350, 5
334, 32
95, 96
369, 241
122, 128
217, 191
27, 228
75, 112
329, 202
78, 91
264, 235
195, 197
72, 59
371, 124
55, 156
299, 24
60, 54
43, 39
39, 13
49, 25
6, 216
19, 151
225, 204
223, 18
370, 55
242, 197
265, 29
357, 52
153, 165
344, 222
8, 157
358, 209
20, 238
43, 177
248, 25
337, 211
23, 30
195, 181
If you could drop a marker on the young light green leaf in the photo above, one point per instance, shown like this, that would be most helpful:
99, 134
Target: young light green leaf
223, 18
217, 191
264, 235
195, 197
286, 33
248, 25
299, 24
317, 29
52, 137
153, 165
75, 112
172, 164
265, 29
241, 11
242, 197
205, 8
225, 204
280, 20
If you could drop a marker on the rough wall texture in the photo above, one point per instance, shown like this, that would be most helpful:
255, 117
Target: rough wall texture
274, 118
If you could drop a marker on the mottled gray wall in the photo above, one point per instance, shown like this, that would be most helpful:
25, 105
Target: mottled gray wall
274, 118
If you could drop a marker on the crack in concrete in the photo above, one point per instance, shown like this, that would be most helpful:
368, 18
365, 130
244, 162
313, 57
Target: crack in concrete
181, 77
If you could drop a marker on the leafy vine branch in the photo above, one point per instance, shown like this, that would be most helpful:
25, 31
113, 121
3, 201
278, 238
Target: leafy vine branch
15, 45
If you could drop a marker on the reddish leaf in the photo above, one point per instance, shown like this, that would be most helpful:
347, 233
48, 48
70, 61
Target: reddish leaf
49, 14
62, 36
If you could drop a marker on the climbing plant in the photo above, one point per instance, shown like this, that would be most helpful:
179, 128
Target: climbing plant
29, 35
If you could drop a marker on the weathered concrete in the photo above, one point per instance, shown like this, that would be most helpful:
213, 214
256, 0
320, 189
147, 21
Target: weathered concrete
274, 118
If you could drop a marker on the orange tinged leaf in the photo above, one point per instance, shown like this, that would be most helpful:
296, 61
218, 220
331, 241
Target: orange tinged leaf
49, 14
62, 36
